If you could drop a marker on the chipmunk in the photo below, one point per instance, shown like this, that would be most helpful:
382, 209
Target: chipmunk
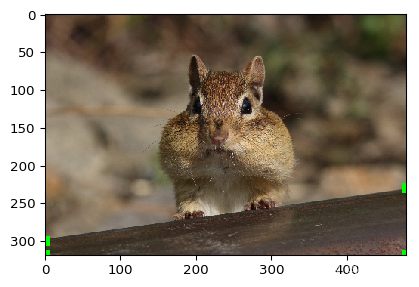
226, 153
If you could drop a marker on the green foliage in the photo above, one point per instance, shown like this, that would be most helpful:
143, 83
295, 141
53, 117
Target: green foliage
379, 33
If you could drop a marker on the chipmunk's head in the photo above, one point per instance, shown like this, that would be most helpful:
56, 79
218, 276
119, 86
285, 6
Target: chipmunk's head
224, 103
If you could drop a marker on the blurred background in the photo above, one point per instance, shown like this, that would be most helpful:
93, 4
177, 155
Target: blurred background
339, 82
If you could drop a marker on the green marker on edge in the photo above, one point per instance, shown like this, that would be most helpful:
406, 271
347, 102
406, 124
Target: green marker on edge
404, 191
47, 243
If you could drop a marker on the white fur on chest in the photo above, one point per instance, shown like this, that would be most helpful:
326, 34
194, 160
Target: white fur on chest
224, 194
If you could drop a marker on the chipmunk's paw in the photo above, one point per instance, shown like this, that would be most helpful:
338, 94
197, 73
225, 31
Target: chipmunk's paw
263, 203
188, 215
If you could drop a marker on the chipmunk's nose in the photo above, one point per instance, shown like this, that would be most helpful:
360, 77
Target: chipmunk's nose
219, 137
218, 132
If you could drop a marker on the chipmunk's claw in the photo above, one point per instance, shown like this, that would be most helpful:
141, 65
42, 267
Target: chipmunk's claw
263, 203
188, 215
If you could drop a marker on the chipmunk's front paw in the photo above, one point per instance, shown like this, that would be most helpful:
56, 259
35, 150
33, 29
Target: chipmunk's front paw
263, 203
188, 215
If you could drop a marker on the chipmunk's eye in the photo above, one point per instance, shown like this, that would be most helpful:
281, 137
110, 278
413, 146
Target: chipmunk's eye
246, 106
196, 109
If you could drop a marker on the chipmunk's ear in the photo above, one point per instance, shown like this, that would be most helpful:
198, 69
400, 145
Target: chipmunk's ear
255, 75
197, 73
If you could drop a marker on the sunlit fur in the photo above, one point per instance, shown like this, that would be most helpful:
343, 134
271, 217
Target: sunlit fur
255, 160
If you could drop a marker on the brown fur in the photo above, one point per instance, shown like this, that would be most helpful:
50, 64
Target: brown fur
222, 158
